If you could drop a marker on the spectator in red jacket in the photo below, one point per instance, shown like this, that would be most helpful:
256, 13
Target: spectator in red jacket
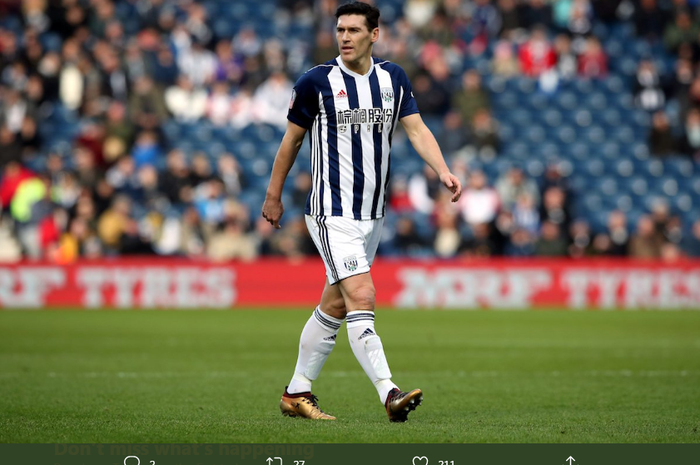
537, 54
593, 62
12, 177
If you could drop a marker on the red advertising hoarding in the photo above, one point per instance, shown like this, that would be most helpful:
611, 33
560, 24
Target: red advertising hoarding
495, 284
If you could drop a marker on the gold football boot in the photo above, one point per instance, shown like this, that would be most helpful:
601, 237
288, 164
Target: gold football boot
303, 405
399, 404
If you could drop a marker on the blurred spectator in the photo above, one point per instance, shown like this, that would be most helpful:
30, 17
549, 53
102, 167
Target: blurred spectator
646, 242
448, 240
122, 176
431, 90
229, 66
575, 16
681, 30
689, 142
418, 13
247, 42
486, 18
618, 234
242, 108
521, 244
479, 202
505, 63
423, 190
537, 54
202, 171
294, 243
326, 48
271, 100
535, 13
593, 62
185, 102
118, 231
165, 70
471, 97
661, 138
650, 21
146, 149
648, 88
525, 213
219, 104
551, 243
229, 171
209, 199
231, 241
119, 132
10, 146
514, 184
146, 104
510, 17
567, 65
302, 186
480, 244
691, 243
197, 63
554, 207
484, 133
175, 180
407, 241
581, 244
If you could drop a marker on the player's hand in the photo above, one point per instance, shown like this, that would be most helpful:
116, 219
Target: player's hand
450, 181
272, 211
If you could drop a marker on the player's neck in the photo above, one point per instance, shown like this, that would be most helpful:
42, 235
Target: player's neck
360, 66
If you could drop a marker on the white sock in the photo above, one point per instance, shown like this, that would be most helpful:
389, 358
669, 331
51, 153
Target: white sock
315, 345
368, 350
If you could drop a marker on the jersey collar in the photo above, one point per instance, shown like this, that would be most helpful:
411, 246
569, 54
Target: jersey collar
353, 73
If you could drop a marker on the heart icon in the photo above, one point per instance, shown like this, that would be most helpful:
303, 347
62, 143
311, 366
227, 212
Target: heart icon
420, 460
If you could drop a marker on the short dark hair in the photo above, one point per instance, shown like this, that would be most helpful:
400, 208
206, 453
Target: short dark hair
371, 13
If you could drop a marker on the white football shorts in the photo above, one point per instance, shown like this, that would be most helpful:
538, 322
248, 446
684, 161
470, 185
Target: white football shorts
347, 246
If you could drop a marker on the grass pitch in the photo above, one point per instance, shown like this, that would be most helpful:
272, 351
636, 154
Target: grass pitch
146, 376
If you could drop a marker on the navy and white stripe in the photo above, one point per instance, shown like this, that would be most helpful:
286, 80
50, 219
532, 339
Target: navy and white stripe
357, 316
326, 246
351, 119
333, 324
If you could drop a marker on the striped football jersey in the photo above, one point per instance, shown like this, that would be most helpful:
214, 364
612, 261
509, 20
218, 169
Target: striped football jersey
351, 119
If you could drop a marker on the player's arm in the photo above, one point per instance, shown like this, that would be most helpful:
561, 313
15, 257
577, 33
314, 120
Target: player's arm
273, 209
427, 147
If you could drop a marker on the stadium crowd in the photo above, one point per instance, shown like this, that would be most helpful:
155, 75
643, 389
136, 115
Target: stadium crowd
121, 70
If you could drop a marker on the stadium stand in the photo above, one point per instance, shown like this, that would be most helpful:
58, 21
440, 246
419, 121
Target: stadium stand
136, 126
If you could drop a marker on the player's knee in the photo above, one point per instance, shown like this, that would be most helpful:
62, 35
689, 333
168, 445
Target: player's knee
363, 298
336, 308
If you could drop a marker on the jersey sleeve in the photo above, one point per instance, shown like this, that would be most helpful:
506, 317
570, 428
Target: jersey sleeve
408, 103
303, 106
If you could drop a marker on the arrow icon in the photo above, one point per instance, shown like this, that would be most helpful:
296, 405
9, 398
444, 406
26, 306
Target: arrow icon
570, 459
269, 460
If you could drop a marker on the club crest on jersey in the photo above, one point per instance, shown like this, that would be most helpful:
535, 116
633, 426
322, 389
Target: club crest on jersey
350, 263
387, 94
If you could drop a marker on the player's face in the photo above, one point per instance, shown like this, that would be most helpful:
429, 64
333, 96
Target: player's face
354, 38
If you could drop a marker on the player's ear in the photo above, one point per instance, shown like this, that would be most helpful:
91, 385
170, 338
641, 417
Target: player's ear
375, 34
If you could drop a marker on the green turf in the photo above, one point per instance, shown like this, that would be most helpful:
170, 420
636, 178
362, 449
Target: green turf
217, 377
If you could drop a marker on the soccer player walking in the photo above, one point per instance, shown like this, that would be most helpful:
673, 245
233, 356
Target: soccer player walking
350, 107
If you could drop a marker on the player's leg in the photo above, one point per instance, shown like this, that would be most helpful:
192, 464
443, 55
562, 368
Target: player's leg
315, 344
317, 339
366, 344
359, 295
